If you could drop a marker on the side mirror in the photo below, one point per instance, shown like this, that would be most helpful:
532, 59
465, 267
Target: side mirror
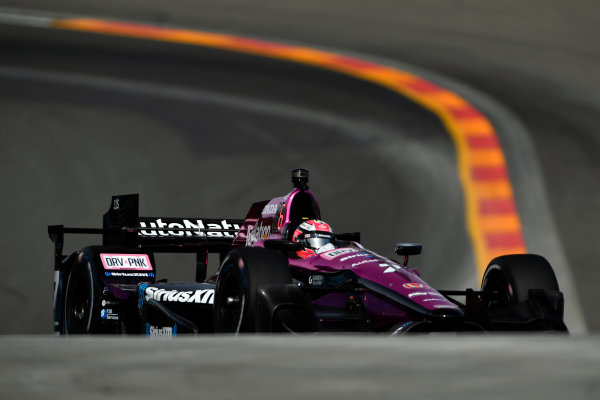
408, 249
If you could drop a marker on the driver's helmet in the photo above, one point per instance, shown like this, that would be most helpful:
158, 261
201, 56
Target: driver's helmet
316, 237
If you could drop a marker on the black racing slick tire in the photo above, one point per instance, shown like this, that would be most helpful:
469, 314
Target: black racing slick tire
243, 272
521, 293
83, 311
508, 279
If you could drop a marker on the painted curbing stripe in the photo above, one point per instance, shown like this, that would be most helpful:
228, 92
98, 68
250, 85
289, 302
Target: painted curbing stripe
486, 174
497, 206
483, 142
486, 157
493, 221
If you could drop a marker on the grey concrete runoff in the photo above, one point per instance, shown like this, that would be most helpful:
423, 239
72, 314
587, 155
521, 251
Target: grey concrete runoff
300, 367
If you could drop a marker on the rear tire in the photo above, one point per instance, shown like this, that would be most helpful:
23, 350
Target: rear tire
83, 312
242, 273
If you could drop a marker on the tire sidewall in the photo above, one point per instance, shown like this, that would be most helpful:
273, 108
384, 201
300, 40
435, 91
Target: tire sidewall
85, 270
230, 278
251, 268
520, 273
81, 270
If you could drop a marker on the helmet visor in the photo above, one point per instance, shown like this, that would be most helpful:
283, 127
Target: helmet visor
317, 240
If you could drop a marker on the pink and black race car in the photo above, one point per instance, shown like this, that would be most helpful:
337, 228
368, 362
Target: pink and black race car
282, 269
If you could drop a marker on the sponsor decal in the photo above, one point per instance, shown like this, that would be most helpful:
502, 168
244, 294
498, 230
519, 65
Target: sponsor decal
108, 314
361, 254
138, 262
356, 264
330, 255
444, 306
315, 225
270, 209
260, 232
159, 228
404, 325
131, 274
390, 267
109, 303
404, 328
416, 286
315, 280
438, 297
436, 294
141, 289
201, 296
163, 331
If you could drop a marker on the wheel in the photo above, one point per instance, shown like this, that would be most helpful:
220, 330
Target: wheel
242, 273
508, 279
521, 292
83, 310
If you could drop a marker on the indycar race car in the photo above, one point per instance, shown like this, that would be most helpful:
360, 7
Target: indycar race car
282, 269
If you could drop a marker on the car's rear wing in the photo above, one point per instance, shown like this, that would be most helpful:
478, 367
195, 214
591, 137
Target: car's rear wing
122, 226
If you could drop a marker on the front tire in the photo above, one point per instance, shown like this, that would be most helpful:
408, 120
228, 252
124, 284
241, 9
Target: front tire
509, 281
242, 273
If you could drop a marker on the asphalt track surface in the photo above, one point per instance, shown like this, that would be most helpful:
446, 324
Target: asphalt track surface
275, 367
69, 142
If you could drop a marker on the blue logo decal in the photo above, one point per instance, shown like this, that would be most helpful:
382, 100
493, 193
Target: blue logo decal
103, 314
141, 295
107, 273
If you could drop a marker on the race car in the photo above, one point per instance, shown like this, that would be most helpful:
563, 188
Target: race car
282, 269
